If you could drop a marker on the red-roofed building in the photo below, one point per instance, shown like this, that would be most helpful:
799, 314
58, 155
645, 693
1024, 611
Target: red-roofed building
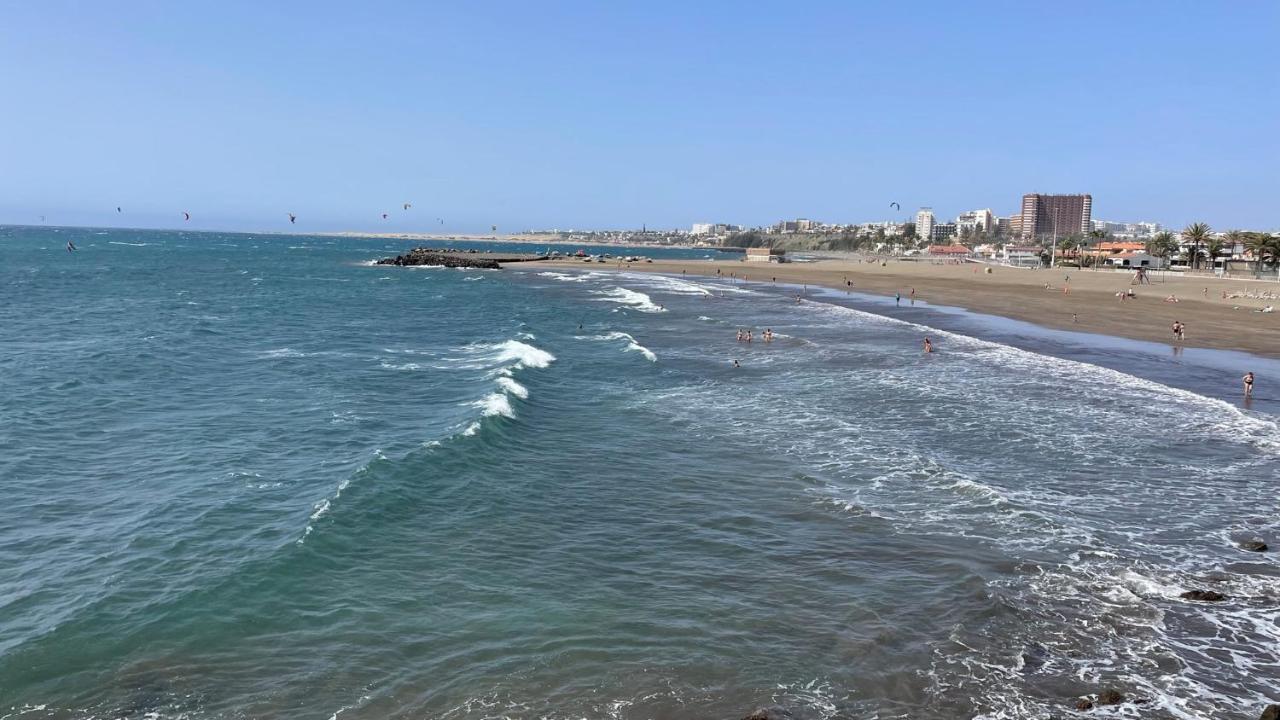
950, 251
1115, 248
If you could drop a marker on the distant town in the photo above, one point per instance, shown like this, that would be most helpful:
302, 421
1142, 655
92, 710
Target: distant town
1049, 230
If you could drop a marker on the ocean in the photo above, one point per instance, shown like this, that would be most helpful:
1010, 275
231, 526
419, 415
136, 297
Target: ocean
253, 476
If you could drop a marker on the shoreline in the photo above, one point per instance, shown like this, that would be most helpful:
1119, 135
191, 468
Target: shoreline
1090, 306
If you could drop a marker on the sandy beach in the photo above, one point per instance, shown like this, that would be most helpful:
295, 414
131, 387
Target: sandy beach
1091, 305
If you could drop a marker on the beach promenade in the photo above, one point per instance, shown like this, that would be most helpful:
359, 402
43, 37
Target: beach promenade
1091, 305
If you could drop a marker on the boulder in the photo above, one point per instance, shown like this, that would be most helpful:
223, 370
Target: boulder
765, 714
1203, 595
1084, 704
1253, 546
1270, 712
1110, 697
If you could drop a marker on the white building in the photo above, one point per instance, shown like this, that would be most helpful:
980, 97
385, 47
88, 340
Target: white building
924, 223
1135, 260
701, 229
1021, 255
975, 221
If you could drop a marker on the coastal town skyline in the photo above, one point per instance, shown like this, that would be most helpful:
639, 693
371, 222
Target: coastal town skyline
621, 118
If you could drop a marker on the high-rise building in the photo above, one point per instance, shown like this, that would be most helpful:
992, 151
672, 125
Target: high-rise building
701, 229
924, 223
1056, 215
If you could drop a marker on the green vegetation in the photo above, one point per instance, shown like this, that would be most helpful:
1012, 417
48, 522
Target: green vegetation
1198, 235
1265, 249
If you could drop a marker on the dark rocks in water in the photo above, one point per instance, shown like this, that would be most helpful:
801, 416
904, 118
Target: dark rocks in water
768, 714
1253, 546
451, 258
1203, 595
1110, 697
1270, 712
424, 256
1106, 697
1034, 658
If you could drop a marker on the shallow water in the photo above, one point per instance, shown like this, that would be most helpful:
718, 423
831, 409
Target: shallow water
252, 477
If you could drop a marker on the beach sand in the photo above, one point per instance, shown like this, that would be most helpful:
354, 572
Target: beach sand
1211, 321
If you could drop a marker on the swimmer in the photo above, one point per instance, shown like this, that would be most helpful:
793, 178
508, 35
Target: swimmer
735, 364
928, 345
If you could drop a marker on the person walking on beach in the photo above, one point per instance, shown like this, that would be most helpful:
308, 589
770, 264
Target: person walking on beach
1248, 384
928, 346
897, 299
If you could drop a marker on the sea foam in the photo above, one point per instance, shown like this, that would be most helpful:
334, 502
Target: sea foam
630, 298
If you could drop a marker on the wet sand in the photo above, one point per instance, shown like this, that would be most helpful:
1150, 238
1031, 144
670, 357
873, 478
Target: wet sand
1211, 321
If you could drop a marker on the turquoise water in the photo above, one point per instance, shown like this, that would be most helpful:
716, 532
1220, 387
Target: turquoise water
255, 477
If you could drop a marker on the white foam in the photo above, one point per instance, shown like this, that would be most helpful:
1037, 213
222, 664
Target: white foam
495, 404
114, 242
632, 345
509, 357
283, 352
512, 387
523, 354
629, 298
322, 507
562, 277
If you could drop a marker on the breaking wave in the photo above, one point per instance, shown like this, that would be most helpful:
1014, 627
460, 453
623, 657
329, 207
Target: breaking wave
629, 298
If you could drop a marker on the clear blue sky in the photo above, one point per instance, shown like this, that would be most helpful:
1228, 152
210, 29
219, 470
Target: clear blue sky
605, 114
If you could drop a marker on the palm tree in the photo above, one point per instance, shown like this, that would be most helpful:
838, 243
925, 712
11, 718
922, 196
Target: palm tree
1265, 249
1068, 244
1214, 247
1095, 238
1233, 239
1196, 234
1162, 245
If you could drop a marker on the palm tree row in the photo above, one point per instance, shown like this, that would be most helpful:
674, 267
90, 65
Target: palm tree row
1198, 234
1264, 247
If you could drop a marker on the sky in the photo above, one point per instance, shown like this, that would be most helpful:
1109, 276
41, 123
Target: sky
616, 115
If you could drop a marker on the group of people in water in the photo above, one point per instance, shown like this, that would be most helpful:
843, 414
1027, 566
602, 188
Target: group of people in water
745, 335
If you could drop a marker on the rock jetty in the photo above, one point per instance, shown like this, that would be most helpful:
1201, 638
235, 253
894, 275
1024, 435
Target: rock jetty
449, 257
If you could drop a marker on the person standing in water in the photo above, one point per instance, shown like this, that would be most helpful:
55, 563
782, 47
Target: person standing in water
1248, 384
897, 299
928, 345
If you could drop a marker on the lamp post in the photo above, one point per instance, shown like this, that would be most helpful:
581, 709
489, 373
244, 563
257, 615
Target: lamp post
1053, 251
